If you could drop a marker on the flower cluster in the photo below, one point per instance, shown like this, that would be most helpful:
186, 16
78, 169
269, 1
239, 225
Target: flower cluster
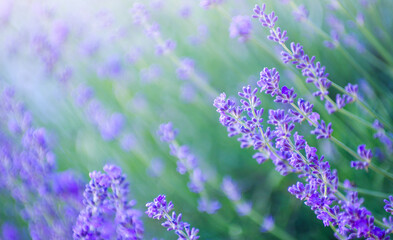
365, 155
159, 209
383, 136
141, 17
187, 163
206, 4
102, 205
313, 71
290, 152
231, 190
241, 28
301, 13
186, 69
111, 125
49, 200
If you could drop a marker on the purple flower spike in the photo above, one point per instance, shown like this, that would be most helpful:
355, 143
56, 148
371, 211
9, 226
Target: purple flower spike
269, 79
329, 107
208, 206
359, 164
252, 101
340, 101
139, 13
222, 104
268, 224
389, 205
187, 163
278, 36
159, 208
206, 4
166, 132
168, 46
306, 110
286, 95
296, 56
364, 153
241, 28
259, 11
301, 13
230, 189
323, 131
381, 135
106, 195
186, 69
352, 91
269, 20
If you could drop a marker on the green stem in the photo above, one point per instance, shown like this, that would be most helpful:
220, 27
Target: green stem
381, 171
357, 118
279, 233
335, 230
365, 191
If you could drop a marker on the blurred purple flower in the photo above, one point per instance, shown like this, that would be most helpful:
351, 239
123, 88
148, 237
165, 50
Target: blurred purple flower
240, 28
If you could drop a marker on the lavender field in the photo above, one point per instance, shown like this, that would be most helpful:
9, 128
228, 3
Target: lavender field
205, 119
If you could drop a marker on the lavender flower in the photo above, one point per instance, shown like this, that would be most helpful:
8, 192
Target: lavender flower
139, 13
206, 4
168, 46
313, 71
185, 11
240, 28
47, 198
323, 130
232, 192
150, 74
382, 136
389, 205
284, 148
187, 163
365, 155
166, 132
352, 91
159, 208
340, 101
208, 206
301, 13
10, 232
96, 220
186, 69
230, 189
268, 224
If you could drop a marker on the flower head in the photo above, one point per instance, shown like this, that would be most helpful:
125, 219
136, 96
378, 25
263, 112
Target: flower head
241, 28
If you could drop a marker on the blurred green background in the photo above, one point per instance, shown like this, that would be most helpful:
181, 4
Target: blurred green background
106, 28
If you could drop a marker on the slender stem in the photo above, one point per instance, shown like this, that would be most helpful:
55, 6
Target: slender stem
372, 113
381, 171
381, 224
357, 118
365, 191
276, 231
279, 233
335, 230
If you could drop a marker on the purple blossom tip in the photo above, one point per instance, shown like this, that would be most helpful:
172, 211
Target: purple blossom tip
241, 28
166, 132
323, 130
159, 207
